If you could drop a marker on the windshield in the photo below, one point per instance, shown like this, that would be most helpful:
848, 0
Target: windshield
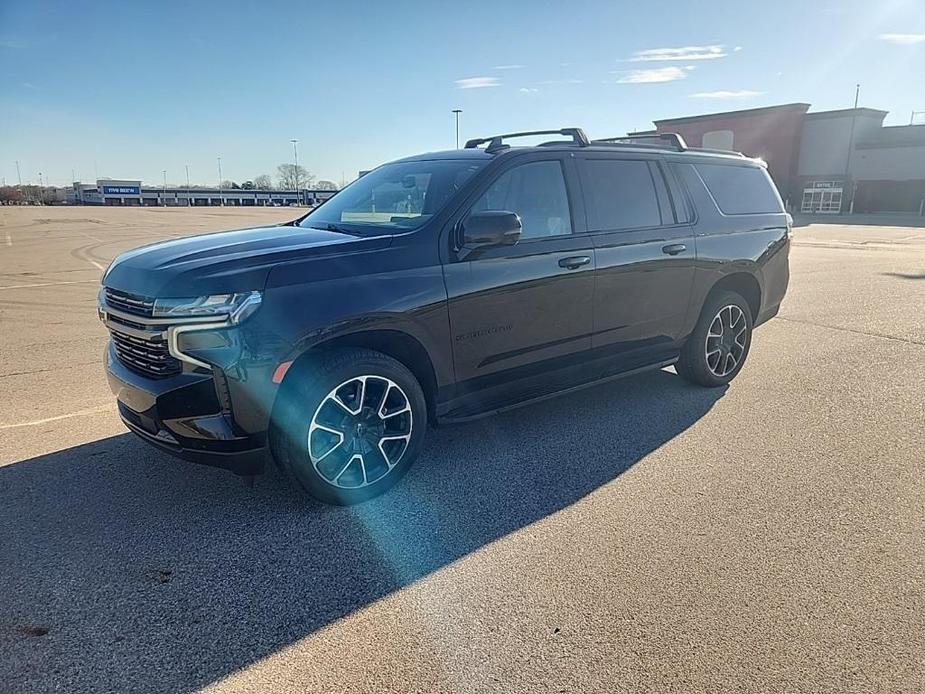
400, 196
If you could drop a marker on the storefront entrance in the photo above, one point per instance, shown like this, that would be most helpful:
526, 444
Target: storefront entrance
822, 197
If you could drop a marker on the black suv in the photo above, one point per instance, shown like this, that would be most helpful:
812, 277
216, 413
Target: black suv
438, 288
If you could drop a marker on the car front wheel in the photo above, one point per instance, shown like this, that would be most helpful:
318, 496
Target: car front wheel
349, 423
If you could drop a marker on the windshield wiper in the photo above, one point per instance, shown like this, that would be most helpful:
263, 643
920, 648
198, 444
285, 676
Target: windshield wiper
327, 226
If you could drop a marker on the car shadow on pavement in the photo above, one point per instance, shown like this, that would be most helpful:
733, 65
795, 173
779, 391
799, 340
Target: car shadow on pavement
126, 570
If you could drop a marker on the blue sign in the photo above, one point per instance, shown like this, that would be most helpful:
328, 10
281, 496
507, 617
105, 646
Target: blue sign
121, 190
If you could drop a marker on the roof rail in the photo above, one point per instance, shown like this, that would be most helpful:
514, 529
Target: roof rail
713, 150
495, 142
673, 139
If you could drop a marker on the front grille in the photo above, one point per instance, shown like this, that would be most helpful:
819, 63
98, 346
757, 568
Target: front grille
130, 303
126, 322
146, 355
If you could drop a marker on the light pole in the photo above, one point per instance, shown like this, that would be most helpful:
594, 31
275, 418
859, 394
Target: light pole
295, 154
848, 176
189, 202
164, 197
457, 111
221, 196
18, 175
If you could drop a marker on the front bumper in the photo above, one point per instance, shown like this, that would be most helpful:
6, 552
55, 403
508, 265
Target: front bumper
183, 415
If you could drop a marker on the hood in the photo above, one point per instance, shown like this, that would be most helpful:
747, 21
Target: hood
227, 261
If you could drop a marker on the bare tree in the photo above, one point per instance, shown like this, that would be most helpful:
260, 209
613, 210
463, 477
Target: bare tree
263, 182
325, 185
292, 177
10, 194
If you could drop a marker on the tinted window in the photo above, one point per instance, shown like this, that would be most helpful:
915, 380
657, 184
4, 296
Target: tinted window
679, 201
536, 192
661, 189
740, 189
620, 194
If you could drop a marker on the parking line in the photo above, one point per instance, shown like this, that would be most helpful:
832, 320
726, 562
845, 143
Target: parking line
9, 239
49, 284
79, 413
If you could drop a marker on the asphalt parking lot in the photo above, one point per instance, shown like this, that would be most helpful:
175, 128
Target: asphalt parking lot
646, 535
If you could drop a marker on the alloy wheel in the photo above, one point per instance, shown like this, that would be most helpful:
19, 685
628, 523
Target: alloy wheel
360, 431
726, 340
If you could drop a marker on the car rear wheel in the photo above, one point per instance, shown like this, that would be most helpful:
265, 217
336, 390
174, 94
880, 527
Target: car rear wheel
716, 351
348, 424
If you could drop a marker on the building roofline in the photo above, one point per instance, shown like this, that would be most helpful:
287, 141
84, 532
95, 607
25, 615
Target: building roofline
796, 106
847, 112
898, 127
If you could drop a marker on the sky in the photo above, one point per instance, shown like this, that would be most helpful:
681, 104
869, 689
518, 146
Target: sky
130, 89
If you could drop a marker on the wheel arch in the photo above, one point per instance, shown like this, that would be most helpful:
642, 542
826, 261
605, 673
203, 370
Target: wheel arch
397, 344
745, 284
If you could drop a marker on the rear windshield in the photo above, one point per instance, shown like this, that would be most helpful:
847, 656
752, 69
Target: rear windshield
740, 189
399, 196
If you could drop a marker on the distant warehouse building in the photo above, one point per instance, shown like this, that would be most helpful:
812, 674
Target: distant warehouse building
825, 162
128, 193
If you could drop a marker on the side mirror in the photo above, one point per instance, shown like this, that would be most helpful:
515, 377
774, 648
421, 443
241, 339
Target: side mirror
490, 228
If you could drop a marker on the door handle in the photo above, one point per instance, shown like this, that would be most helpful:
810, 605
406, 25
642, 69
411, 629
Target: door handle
574, 262
674, 248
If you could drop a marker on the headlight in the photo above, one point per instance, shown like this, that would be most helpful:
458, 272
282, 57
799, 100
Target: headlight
237, 307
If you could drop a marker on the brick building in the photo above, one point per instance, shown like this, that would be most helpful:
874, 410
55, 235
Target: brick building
822, 162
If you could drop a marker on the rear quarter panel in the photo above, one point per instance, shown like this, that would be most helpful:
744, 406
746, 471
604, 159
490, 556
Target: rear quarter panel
757, 244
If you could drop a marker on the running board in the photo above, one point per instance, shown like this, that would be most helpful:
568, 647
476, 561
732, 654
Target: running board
451, 418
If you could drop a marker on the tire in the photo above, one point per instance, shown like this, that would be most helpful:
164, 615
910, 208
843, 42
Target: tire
712, 360
348, 424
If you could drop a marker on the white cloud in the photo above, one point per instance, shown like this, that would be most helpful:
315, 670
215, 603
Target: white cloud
507, 67
660, 74
737, 49
727, 94
478, 82
902, 39
684, 53
528, 90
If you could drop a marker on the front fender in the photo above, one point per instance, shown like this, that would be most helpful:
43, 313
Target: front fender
407, 300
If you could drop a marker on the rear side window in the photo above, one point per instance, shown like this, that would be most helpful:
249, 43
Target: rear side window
620, 194
740, 189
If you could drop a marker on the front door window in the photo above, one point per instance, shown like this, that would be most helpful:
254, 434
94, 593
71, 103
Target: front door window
536, 192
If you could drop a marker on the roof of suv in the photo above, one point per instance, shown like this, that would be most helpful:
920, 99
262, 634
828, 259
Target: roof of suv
665, 143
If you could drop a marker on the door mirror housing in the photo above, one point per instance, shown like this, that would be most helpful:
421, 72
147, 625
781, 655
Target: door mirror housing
490, 228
